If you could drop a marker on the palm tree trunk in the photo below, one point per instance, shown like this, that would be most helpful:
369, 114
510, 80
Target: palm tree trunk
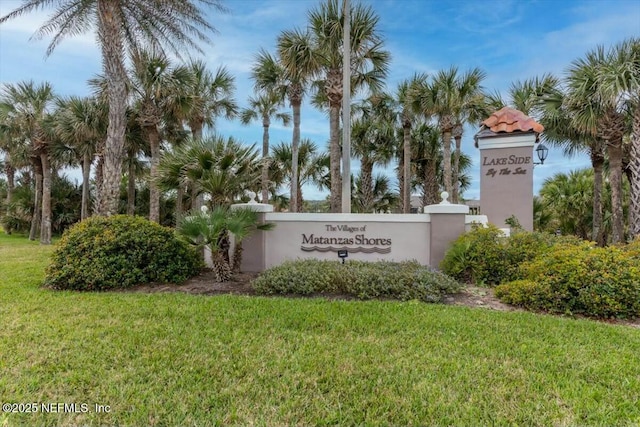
221, 269
335, 154
111, 43
366, 182
45, 231
614, 150
634, 166
37, 203
10, 172
131, 186
265, 157
597, 162
406, 168
154, 191
295, 146
237, 257
455, 195
99, 183
179, 202
86, 171
300, 199
400, 173
431, 182
196, 132
446, 161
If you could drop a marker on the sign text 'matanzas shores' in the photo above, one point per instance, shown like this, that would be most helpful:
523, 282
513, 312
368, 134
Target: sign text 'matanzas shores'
352, 242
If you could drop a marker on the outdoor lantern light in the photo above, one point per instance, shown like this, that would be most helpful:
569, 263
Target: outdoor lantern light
342, 254
542, 152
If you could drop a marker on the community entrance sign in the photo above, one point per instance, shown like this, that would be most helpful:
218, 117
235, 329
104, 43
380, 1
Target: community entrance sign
506, 142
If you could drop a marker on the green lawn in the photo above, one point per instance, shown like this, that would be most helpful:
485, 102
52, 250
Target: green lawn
175, 359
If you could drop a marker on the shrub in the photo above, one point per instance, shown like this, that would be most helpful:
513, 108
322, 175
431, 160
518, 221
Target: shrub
118, 252
580, 279
364, 280
477, 256
485, 256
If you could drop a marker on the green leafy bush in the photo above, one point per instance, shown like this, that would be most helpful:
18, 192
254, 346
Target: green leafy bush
364, 280
580, 279
118, 252
485, 256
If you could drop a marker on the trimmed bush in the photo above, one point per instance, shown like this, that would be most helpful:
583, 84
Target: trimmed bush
485, 256
363, 280
119, 252
578, 279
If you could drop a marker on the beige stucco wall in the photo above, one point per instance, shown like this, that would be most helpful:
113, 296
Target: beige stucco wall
506, 179
408, 236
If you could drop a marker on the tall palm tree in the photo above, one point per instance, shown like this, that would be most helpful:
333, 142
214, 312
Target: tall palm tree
596, 113
160, 93
120, 24
406, 97
265, 106
291, 74
373, 139
427, 157
619, 84
29, 105
320, 51
439, 99
81, 123
469, 108
209, 96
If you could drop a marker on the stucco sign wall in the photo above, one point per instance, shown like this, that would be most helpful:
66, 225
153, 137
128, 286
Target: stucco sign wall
368, 237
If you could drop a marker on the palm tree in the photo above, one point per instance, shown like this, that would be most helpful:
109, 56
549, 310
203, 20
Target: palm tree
81, 123
209, 96
265, 107
221, 168
29, 105
469, 108
211, 228
373, 135
162, 100
312, 166
619, 84
406, 97
596, 113
121, 24
319, 51
427, 157
381, 199
439, 99
289, 75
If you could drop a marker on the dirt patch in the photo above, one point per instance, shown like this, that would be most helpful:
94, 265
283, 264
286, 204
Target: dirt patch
240, 284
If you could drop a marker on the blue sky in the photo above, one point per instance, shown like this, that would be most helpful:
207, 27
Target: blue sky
509, 39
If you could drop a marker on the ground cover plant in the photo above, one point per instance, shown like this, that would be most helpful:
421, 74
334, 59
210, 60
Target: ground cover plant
364, 280
175, 359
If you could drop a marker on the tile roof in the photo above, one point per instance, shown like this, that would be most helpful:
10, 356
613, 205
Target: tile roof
510, 120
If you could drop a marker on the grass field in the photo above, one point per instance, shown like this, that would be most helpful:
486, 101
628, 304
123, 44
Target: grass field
175, 359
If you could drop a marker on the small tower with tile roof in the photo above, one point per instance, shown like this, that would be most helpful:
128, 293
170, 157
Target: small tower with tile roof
506, 140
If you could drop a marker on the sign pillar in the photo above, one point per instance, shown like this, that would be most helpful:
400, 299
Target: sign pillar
506, 178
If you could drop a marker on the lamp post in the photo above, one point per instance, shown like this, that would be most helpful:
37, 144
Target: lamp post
542, 151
